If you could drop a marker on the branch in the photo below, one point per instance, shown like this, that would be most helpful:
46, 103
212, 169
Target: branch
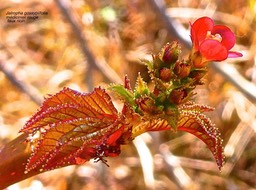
233, 76
21, 85
105, 69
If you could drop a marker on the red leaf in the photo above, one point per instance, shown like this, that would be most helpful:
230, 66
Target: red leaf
68, 104
193, 121
150, 125
74, 128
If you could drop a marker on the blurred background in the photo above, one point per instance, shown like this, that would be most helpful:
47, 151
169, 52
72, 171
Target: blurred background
84, 44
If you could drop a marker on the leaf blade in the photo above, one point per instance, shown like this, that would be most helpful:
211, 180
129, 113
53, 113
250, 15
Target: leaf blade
74, 127
201, 126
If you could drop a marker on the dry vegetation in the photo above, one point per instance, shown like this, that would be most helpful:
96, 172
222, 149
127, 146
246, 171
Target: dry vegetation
90, 43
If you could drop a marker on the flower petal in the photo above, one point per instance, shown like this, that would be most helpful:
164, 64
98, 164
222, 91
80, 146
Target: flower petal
228, 37
234, 54
213, 50
199, 30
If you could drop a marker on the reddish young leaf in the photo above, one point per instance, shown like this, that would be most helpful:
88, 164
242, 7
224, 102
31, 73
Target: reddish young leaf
193, 121
74, 128
68, 104
151, 125
140, 124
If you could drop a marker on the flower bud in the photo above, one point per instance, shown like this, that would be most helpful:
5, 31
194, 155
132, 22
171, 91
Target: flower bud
165, 74
157, 62
171, 53
156, 91
147, 105
197, 75
182, 69
178, 95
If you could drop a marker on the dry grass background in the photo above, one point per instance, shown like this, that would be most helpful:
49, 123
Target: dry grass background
41, 57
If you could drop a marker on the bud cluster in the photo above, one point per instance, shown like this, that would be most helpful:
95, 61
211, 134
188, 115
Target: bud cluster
173, 80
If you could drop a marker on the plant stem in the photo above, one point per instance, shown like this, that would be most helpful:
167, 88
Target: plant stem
13, 159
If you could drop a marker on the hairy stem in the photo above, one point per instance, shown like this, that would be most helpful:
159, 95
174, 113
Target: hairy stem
13, 158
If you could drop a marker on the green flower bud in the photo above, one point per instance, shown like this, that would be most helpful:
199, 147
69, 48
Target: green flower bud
157, 62
170, 53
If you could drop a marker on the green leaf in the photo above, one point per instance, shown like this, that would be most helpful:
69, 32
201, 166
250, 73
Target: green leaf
141, 88
122, 93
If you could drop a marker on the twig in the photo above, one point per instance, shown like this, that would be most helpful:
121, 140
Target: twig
173, 165
24, 87
105, 69
146, 161
233, 76
236, 145
196, 13
244, 131
173, 27
203, 165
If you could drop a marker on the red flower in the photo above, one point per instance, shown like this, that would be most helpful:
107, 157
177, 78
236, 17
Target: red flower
213, 42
